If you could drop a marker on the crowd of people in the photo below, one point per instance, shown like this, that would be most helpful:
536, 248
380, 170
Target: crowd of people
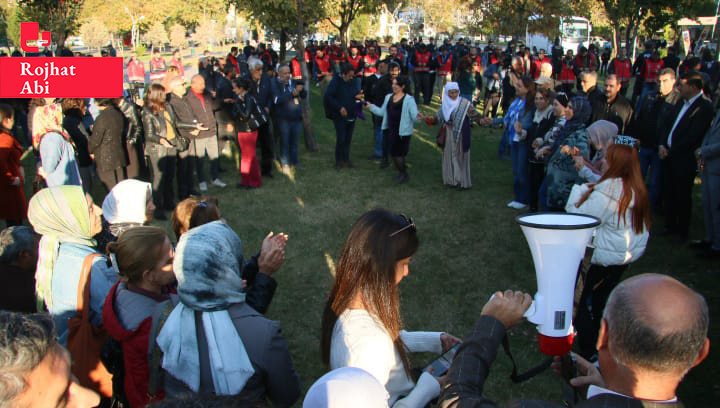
147, 321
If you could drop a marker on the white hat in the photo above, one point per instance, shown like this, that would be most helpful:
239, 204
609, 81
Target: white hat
346, 387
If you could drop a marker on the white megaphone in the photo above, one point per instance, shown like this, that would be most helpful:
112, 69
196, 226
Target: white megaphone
557, 243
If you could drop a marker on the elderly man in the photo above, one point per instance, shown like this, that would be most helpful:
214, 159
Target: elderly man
288, 114
614, 107
202, 103
654, 330
36, 369
262, 92
18, 257
588, 85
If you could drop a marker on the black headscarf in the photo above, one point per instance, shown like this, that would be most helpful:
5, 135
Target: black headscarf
581, 114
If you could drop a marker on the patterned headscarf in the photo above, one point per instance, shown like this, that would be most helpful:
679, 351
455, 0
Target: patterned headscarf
47, 119
207, 264
60, 214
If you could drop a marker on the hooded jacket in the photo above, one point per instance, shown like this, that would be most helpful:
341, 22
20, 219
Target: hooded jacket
615, 241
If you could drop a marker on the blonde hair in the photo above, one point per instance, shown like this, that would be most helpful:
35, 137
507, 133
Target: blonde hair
137, 250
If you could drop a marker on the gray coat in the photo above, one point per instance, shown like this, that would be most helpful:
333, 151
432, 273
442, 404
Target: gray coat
710, 147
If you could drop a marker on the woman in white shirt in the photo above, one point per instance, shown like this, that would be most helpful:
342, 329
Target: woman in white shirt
361, 324
620, 201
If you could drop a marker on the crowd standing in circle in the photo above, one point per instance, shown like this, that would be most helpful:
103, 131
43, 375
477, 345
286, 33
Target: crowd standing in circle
186, 323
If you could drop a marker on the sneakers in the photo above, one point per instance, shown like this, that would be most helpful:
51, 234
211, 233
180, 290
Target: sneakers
218, 183
203, 186
516, 205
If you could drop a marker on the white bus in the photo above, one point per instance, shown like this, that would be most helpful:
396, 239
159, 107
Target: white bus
574, 32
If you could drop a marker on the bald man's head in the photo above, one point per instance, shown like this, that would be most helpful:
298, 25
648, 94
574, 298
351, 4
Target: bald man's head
656, 323
197, 83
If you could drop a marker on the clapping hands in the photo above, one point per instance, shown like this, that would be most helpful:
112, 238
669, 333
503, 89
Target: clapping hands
272, 253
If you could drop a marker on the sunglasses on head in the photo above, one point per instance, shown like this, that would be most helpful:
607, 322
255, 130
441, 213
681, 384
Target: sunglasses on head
410, 224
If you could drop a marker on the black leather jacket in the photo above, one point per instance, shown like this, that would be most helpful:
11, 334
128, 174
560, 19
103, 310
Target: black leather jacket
155, 129
135, 132
246, 114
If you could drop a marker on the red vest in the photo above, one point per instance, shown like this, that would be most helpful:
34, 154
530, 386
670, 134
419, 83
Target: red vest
622, 69
337, 54
445, 68
493, 59
231, 58
157, 69
537, 63
323, 64
651, 69
355, 62
370, 62
136, 71
295, 69
422, 60
567, 76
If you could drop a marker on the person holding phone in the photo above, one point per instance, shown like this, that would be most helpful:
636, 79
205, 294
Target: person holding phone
361, 324
287, 109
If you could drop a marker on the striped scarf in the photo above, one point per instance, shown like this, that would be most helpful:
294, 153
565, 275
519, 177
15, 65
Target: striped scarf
60, 214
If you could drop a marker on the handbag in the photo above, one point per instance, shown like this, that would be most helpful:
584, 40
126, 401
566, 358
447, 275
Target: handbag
441, 136
85, 341
180, 142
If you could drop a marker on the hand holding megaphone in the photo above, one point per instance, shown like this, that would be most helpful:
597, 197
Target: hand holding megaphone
508, 307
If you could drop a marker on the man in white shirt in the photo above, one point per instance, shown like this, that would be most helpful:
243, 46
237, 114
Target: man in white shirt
654, 330
677, 153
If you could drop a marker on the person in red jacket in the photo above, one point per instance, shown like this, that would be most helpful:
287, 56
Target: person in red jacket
13, 206
158, 67
143, 258
178, 62
621, 66
584, 62
356, 60
537, 63
135, 70
232, 59
567, 73
322, 64
649, 75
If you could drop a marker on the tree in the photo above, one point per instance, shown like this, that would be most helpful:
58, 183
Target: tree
157, 35
192, 13
177, 36
94, 33
512, 16
10, 18
208, 32
60, 17
343, 12
443, 15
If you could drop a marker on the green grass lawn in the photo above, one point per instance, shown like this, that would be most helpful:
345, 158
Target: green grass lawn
470, 247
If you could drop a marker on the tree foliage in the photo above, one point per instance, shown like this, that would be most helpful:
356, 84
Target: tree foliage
208, 32
511, 16
61, 17
177, 36
157, 35
445, 16
341, 13
94, 33
10, 19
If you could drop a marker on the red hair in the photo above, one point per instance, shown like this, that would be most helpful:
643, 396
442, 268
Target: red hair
623, 163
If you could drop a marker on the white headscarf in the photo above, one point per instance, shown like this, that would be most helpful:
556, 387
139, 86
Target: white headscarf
127, 202
346, 387
448, 104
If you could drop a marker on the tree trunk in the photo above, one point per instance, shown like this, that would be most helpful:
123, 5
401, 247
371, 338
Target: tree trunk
310, 144
343, 31
283, 47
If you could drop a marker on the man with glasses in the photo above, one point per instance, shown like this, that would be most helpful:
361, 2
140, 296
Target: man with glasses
262, 92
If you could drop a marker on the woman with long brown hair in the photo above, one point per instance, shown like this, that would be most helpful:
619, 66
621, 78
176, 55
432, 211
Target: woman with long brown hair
620, 201
161, 136
361, 324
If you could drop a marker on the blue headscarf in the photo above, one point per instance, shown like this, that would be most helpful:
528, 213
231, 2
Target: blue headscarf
207, 265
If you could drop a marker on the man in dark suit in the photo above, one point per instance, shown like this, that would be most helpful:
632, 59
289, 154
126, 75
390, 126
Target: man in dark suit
613, 106
709, 159
262, 92
654, 330
692, 118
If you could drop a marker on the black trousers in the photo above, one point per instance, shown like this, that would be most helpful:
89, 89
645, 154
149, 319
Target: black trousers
537, 174
267, 150
422, 84
162, 172
678, 176
598, 284
186, 178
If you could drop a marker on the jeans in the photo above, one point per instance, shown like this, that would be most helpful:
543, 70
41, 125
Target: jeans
649, 158
521, 173
504, 142
343, 138
209, 146
289, 135
377, 130
542, 196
